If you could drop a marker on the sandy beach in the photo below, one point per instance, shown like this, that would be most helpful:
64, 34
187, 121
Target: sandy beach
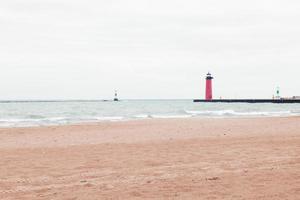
254, 158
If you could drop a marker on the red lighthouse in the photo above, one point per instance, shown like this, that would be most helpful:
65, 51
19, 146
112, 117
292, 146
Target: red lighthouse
208, 93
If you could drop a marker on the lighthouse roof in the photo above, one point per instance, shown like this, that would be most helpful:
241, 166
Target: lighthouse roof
208, 76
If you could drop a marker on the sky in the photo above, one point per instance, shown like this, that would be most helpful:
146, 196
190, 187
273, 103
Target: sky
148, 49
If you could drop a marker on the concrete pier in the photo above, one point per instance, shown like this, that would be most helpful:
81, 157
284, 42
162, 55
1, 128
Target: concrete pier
248, 100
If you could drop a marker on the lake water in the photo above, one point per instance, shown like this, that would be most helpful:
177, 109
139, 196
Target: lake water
16, 114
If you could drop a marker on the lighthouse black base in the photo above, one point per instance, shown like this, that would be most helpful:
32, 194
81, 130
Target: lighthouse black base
248, 100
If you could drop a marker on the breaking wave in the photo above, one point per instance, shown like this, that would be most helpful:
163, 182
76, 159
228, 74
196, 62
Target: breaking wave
235, 113
61, 113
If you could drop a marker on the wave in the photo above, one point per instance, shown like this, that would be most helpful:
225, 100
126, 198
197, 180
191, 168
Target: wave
25, 122
35, 120
235, 113
142, 116
111, 118
170, 116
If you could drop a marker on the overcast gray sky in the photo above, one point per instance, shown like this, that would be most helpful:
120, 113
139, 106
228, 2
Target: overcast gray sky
70, 49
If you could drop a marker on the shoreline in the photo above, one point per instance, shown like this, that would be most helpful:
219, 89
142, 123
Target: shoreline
232, 158
145, 119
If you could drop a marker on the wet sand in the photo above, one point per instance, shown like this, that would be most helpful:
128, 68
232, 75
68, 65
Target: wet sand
256, 158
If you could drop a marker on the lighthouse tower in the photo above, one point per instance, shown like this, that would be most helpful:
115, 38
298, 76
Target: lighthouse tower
116, 96
208, 92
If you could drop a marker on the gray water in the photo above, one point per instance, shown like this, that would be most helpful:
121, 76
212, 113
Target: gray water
15, 114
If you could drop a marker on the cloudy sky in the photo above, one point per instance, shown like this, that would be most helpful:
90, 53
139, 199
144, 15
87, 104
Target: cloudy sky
71, 49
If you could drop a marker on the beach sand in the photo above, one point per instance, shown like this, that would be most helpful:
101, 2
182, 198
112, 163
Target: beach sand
256, 158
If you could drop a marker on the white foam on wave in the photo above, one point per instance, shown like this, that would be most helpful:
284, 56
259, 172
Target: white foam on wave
208, 112
235, 113
54, 121
110, 118
170, 116
142, 116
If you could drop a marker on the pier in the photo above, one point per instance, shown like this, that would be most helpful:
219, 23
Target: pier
248, 100
209, 96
